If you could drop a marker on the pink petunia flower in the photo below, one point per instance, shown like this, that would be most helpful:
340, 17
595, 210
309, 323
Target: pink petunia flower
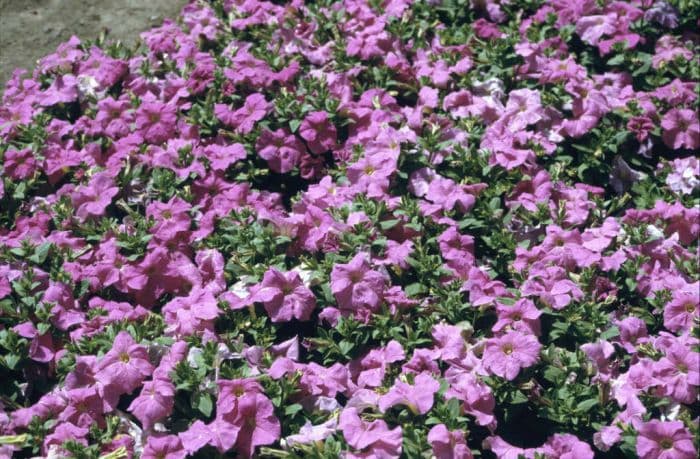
567, 446
681, 128
683, 311
281, 150
477, 398
685, 175
448, 444
418, 397
163, 447
222, 156
285, 296
192, 314
125, 366
373, 436
356, 286
91, 200
506, 355
156, 121
665, 440
679, 373
318, 131
155, 402
259, 426
254, 109
522, 316
20, 164
309, 433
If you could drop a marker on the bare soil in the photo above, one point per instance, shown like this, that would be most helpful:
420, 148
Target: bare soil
31, 29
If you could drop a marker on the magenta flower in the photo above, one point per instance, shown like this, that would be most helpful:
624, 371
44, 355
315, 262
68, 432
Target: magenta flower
593, 28
679, 373
84, 408
567, 446
156, 121
665, 440
199, 435
170, 218
476, 397
318, 131
522, 316
373, 436
243, 120
165, 447
259, 426
125, 366
254, 109
684, 308
309, 433
285, 296
356, 286
448, 444
155, 402
685, 175
20, 164
91, 200
418, 397
505, 356
681, 128
373, 366
192, 314
281, 150
371, 173
222, 156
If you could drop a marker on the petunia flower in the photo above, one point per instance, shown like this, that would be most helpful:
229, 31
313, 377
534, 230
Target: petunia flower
156, 121
681, 128
506, 355
356, 286
258, 423
309, 433
285, 296
683, 311
125, 366
318, 131
374, 436
448, 444
163, 447
91, 200
684, 177
418, 397
522, 316
477, 398
281, 150
155, 402
665, 440
679, 373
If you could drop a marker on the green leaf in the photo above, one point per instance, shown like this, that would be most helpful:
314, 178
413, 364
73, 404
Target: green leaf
586, 405
11, 360
205, 405
293, 409
611, 332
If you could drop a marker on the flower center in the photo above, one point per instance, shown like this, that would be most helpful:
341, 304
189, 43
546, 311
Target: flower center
507, 349
124, 357
666, 443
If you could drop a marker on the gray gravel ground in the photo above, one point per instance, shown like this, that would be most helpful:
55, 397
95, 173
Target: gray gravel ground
31, 29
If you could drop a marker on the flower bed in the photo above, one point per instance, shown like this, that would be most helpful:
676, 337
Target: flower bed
361, 229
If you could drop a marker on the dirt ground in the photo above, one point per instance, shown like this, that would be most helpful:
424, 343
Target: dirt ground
31, 29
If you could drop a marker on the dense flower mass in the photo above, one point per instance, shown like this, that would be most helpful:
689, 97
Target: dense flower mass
357, 229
